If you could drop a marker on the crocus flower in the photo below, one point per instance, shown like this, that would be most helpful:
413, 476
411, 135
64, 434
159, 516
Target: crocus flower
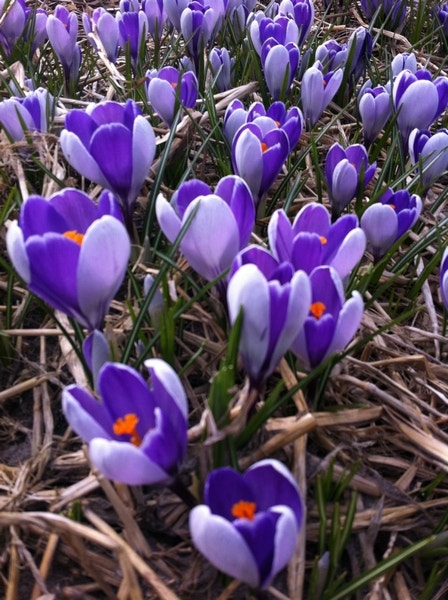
31, 113
389, 219
71, 252
302, 11
282, 29
403, 61
156, 17
274, 299
88, 137
317, 91
221, 66
221, 225
347, 172
258, 157
13, 17
62, 30
198, 23
375, 110
390, 12
359, 47
331, 322
102, 26
431, 150
280, 64
332, 55
36, 28
132, 30
174, 9
169, 90
311, 240
248, 524
137, 434
444, 278
408, 91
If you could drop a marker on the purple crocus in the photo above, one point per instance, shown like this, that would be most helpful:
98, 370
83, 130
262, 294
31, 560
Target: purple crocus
389, 219
248, 524
430, 152
317, 91
302, 11
444, 278
88, 137
137, 434
311, 240
132, 30
101, 26
274, 299
332, 55
403, 61
347, 172
221, 66
220, 227
31, 113
258, 157
35, 28
13, 17
198, 23
375, 110
280, 64
168, 90
359, 47
71, 252
407, 93
391, 13
283, 30
62, 30
156, 17
331, 322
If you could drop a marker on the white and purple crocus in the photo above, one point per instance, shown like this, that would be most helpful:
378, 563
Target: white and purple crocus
136, 433
248, 524
90, 135
170, 90
71, 252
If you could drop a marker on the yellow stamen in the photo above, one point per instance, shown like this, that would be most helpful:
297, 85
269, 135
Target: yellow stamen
323, 240
264, 147
74, 236
244, 510
127, 426
317, 309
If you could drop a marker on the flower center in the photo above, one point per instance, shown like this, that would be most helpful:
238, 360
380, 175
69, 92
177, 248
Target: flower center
174, 85
74, 236
264, 147
244, 510
317, 309
127, 425
323, 239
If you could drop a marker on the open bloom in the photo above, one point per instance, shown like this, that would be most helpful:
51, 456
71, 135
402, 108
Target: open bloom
311, 240
71, 252
302, 11
347, 172
432, 150
169, 90
375, 109
220, 227
274, 300
258, 157
409, 90
90, 135
331, 322
249, 523
318, 90
388, 219
137, 434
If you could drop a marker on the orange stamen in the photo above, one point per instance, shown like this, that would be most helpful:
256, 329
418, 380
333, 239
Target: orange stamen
317, 309
244, 510
323, 240
278, 123
392, 206
264, 147
127, 426
74, 236
174, 85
